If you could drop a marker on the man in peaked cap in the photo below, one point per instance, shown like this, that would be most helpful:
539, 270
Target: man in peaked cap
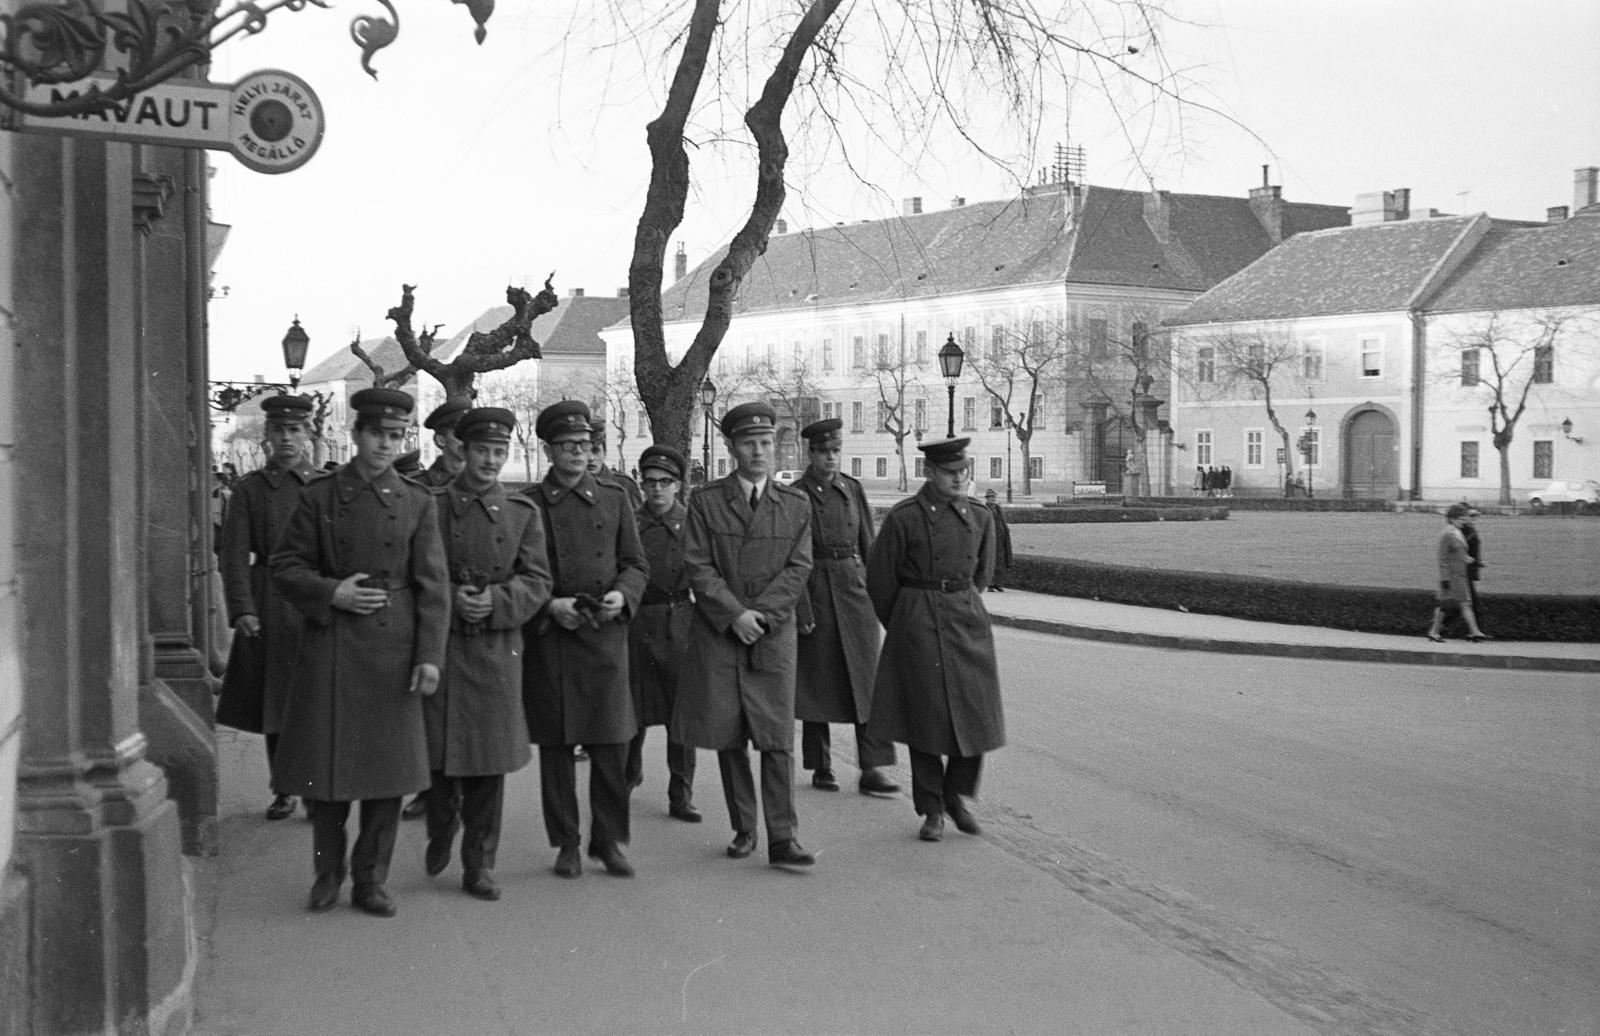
362, 561
575, 687
748, 553
839, 633
1002, 541
938, 687
658, 636
261, 664
605, 473
500, 578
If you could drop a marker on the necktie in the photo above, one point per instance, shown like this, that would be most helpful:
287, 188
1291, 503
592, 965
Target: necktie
755, 497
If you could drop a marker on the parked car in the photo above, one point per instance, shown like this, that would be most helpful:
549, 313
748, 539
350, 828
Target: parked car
786, 477
1579, 494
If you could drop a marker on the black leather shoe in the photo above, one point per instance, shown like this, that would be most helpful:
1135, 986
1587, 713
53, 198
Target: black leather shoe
823, 780
415, 808
616, 864
437, 856
788, 853
481, 885
281, 807
932, 827
568, 865
685, 812
744, 843
371, 897
873, 782
325, 892
965, 823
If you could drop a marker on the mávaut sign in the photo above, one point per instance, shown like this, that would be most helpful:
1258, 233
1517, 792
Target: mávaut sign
271, 120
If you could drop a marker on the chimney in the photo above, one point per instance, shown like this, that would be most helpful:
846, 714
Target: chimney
576, 293
1266, 202
1584, 188
1555, 214
912, 207
781, 227
1381, 207
958, 202
1402, 203
680, 264
1157, 217
622, 293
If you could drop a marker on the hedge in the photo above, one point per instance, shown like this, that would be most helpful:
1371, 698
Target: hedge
1367, 609
1112, 513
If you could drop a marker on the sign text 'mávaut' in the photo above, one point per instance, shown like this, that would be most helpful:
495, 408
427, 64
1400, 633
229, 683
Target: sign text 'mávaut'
271, 120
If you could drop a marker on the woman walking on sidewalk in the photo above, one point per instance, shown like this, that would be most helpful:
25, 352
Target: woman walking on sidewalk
1455, 593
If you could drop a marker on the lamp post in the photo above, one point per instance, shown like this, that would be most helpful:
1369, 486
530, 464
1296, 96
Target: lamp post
1311, 452
708, 399
295, 344
950, 360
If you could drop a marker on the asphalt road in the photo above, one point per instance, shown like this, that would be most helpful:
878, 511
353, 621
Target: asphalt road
1371, 848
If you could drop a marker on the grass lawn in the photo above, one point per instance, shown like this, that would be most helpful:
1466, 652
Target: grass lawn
1522, 554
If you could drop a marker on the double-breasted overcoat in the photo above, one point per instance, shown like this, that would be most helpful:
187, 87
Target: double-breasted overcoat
659, 633
575, 682
839, 658
938, 687
352, 729
493, 540
1454, 587
740, 560
256, 684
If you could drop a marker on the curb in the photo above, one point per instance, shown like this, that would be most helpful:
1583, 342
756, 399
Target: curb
1458, 659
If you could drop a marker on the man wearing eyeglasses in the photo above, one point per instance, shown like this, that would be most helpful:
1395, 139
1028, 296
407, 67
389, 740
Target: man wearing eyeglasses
575, 670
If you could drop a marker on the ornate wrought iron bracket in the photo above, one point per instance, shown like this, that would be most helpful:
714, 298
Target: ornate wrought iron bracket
228, 396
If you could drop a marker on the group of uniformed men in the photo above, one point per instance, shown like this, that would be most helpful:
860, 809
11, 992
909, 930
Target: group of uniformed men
399, 635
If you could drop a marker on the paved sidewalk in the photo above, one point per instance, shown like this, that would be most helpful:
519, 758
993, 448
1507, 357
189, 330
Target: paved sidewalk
1158, 627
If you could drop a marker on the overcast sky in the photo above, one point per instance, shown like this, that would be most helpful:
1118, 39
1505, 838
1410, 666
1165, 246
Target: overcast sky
465, 167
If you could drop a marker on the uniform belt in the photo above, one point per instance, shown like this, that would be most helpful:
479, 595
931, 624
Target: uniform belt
837, 553
664, 596
391, 585
948, 586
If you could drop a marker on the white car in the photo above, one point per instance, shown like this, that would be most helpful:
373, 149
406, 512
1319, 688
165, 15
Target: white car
1580, 494
786, 478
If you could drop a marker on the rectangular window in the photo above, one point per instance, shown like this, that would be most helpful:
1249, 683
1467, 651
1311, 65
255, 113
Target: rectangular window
1205, 365
1036, 334
883, 359
1314, 438
722, 467
969, 343
644, 420
1040, 408
1469, 460
997, 415
771, 354
920, 409
922, 347
798, 362
1202, 448
1036, 467
969, 413
858, 352
1544, 455
855, 467
1544, 364
1469, 368
1371, 356
1099, 339
916, 469
997, 341
1254, 447
856, 415
1311, 360
1141, 341
882, 466
883, 416
827, 354
995, 469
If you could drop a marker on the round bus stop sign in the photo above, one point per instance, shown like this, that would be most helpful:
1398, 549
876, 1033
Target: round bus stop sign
275, 121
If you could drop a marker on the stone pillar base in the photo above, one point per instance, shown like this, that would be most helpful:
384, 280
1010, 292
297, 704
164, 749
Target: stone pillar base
182, 744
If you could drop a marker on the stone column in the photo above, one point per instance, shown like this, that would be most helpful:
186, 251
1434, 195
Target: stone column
111, 922
1145, 410
1092, 442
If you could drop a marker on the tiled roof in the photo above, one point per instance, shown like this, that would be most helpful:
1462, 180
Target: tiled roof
1001, 244
571, 329
1372, 268
344, 365
1549, 265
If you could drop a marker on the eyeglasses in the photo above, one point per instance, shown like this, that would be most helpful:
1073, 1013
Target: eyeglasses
659, 483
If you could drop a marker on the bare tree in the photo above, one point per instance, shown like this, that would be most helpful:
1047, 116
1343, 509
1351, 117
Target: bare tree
615, 391
242, 443
891, 376
1256, 361
519, 396
792, 390
1020, 364
1119, 369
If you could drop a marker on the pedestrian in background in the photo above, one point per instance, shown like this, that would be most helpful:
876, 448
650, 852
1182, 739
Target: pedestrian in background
575, 687
938, 687
604, 473
362, 562
748, 553
261, 663
838, 656
1475, 564
1002, 542
1455, 595
658, 636
500, 578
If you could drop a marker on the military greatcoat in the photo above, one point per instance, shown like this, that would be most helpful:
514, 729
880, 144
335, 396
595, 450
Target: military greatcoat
494, 540
352, 729
741, 560
659, 633
839, 658
575, 682
258, 679
938, 687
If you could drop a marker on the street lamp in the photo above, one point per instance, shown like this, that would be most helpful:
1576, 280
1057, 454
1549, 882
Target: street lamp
708, 399
295, 344
950, 359
1311, 448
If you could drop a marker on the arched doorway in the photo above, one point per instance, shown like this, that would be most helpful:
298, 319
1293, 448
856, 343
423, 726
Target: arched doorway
1372, 465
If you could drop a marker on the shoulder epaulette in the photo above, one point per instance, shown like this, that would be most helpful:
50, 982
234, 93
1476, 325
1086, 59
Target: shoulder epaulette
523, 499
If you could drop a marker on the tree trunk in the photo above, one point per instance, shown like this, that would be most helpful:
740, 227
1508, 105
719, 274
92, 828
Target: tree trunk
1023, 441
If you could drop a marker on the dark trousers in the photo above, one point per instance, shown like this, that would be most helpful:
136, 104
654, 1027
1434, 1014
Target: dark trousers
816, 748
608, 794
777, 791
369, 860
471, 805
272, 749
680, 768
933, 782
